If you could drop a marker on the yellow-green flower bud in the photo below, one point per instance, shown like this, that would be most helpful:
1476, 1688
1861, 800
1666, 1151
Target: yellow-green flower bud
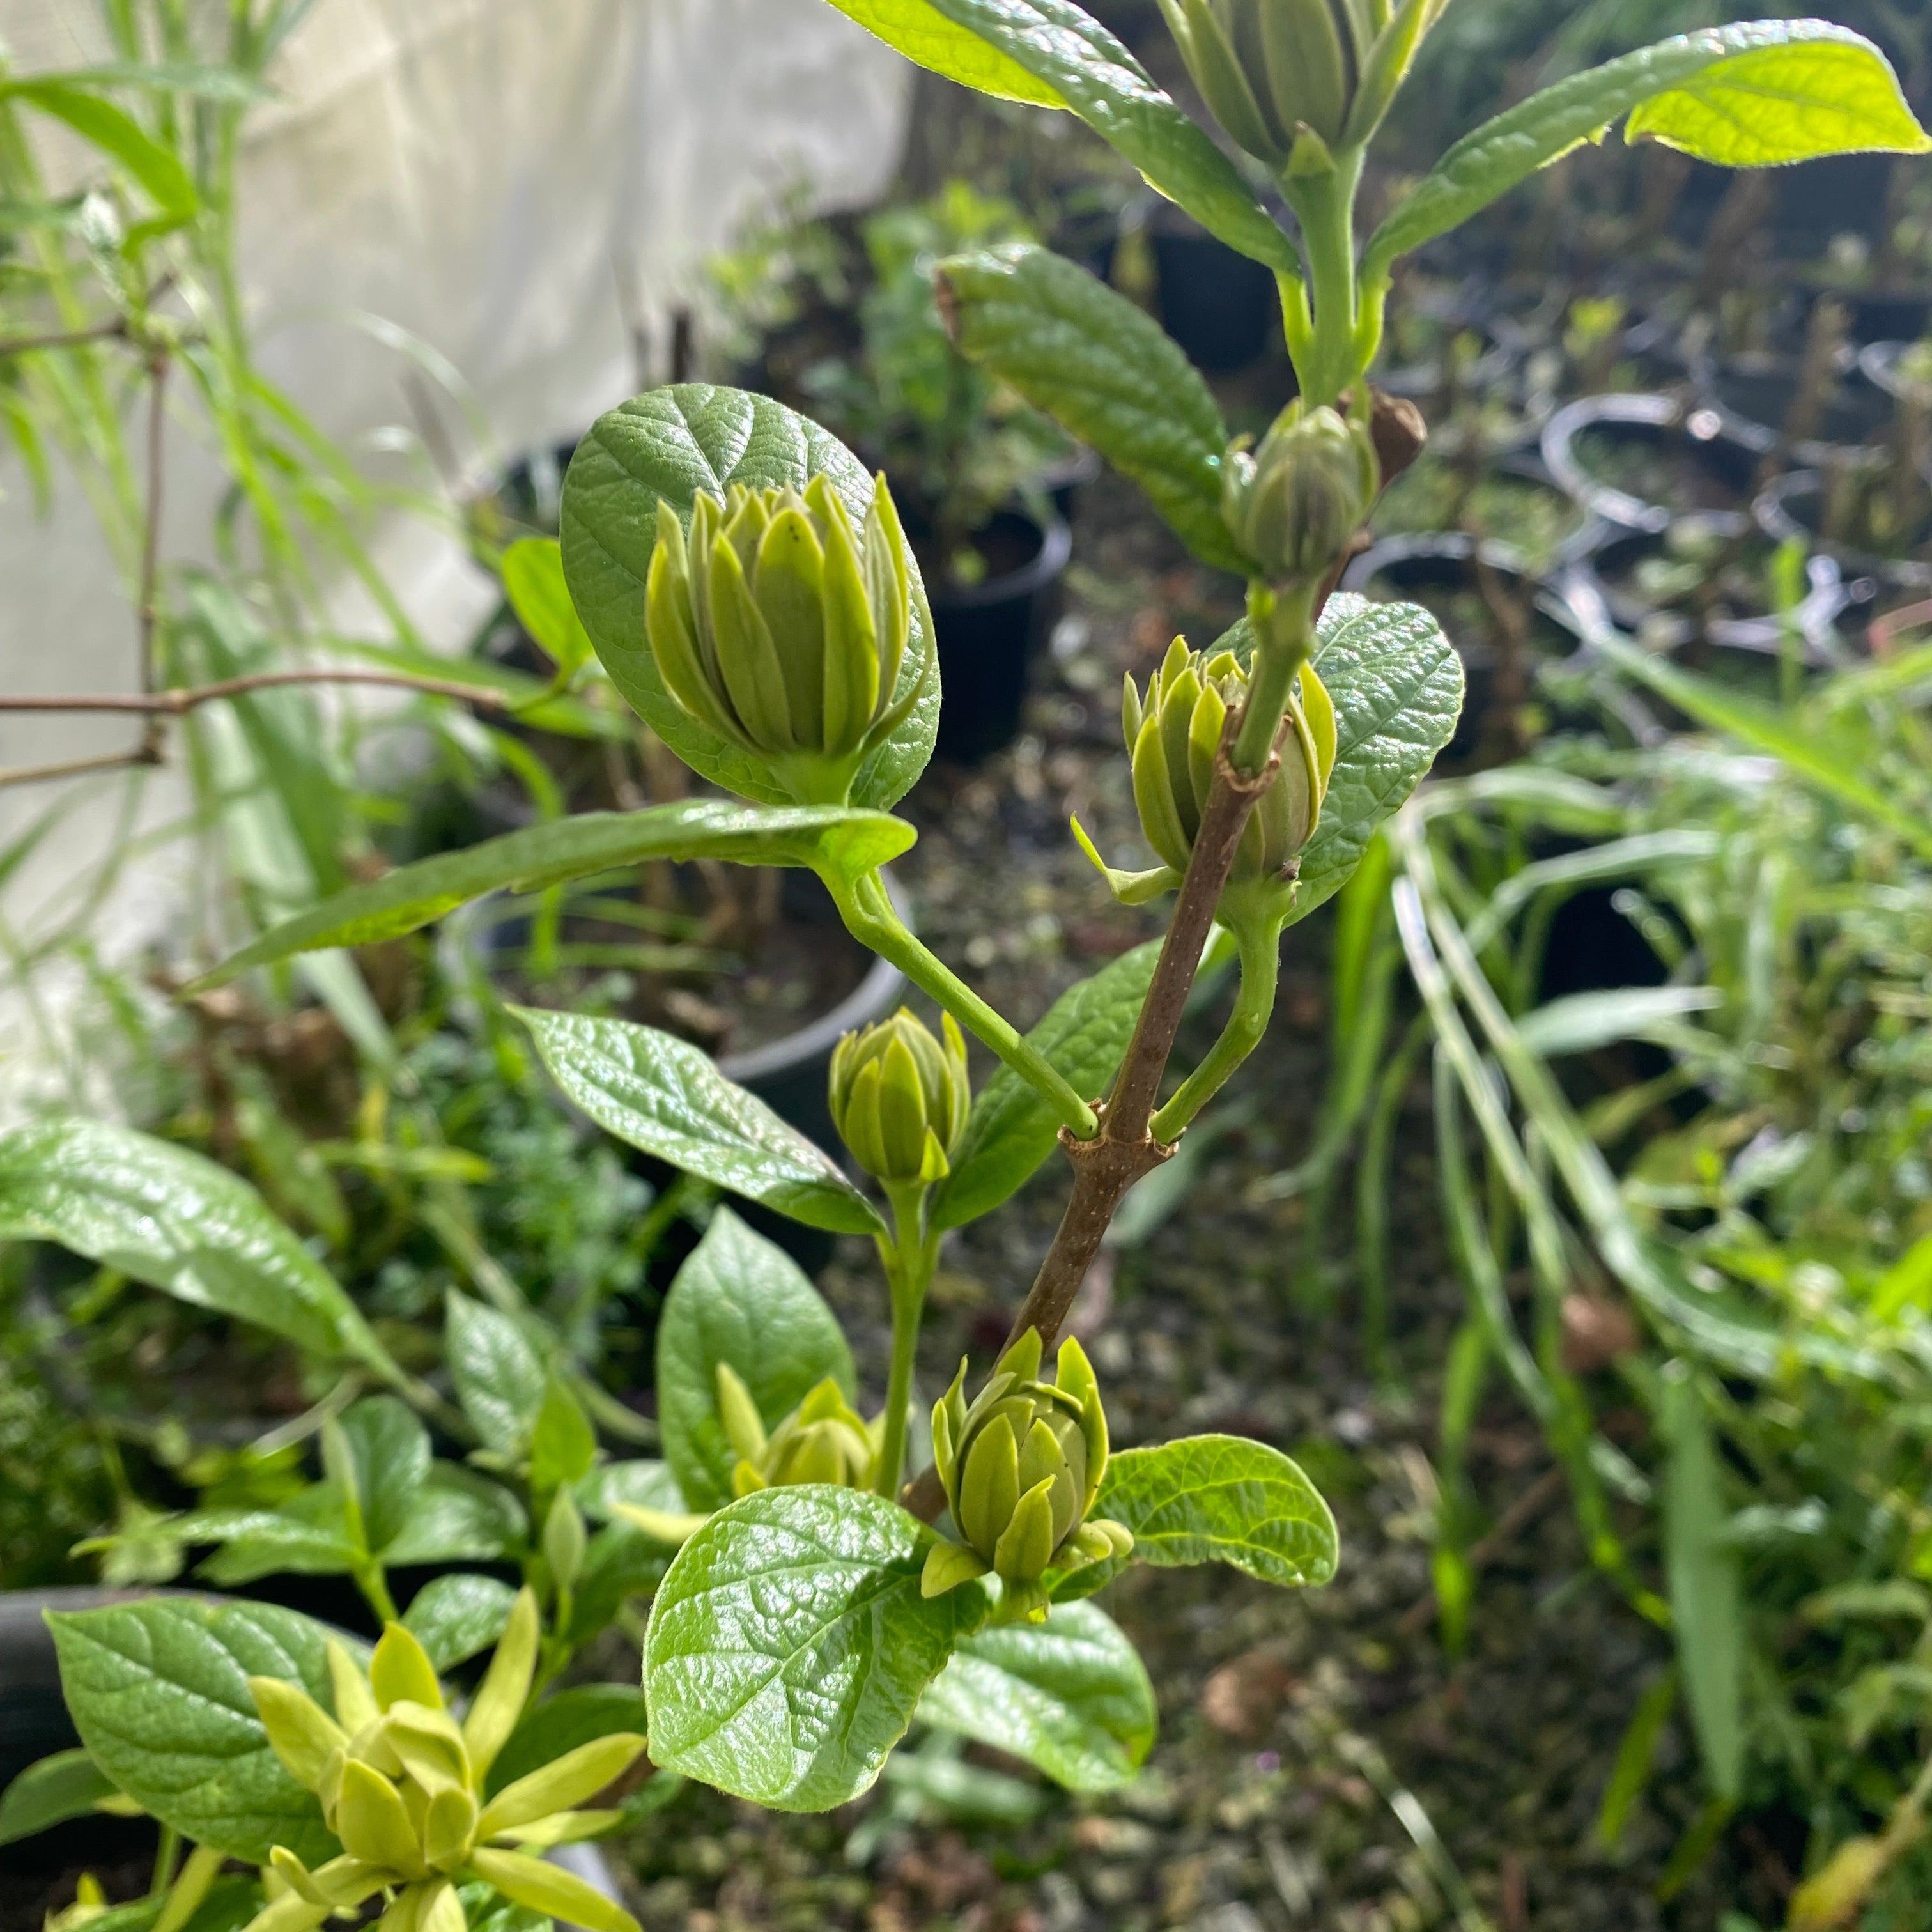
1295, 504
823, 1440
1021, 1468
900, 1098
1174, 731
782, 628
1277, 72
565, 1541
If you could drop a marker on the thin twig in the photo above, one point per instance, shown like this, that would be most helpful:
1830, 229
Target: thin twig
177, 703
147, 609
64, 338
72, 768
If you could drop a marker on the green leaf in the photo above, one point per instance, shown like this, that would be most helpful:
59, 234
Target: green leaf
1706, 1607
457, 1617
648, 1483
928, 38
673, 444
621, 1562
460, 1517
391, 1452
1397, 686
667, 1097
563, 1445
561, 1723
789, 1645
532, 569
1222, 1499
118, 135
1809, 752
1069, 51
1749, 95
169, 1218
69, 1784
1102, 367
499, 1376
307, 1536
1070, 1695
158, 1690
823, 838
1012, 1129
742, 1300
231, 1905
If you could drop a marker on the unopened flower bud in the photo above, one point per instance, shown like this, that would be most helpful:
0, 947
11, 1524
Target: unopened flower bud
564, 1541
1277, 72
1022, 1468
823, 1440
1294, 504
899, 1097
782, 628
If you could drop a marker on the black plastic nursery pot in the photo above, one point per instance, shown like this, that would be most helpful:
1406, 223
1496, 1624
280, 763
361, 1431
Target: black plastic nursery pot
1794, 507
1445, 572
992, 633
1219, 306
1640, 461
1753, 397
1901, 367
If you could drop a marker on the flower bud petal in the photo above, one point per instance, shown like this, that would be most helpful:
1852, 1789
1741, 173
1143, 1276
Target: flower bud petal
448, 1829
1025, 1548
400, 1670
947, 1566
428, 1747
564, 1540
562, 1784
499, 1699
989, 1485
524, 1880
373, 1823
301, 1733
355, 1702
738, 1413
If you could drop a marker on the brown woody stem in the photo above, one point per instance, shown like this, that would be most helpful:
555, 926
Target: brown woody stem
175, 703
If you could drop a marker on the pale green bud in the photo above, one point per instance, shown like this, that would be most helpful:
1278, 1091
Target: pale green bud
400, 1671
564, 1541
780, 627
1293, 80
1174, 731
1021, 1468
1294, 504
900, 1098
374, 1823
561, 1785
301, 1733
823, 1440
499, 1703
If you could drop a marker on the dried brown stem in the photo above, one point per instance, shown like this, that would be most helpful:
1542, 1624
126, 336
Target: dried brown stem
190, 697
64, 338
74, 768
147, 610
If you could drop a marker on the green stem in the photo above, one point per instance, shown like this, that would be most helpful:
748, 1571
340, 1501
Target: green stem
375, 1587
1260, 943
1325, 205
909, 1258
1284, 627
167, 1857
868, 912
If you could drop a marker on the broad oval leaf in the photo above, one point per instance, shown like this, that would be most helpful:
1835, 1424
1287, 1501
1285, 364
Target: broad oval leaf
666, 1096
158, 1690
789, 1645
1752, 94
459, 1616
1070, 1695
67, 1785
1064, 45
648, 1483
843, 841
1222, 1499
1012, 1129
674, 444
169, 1218
1397, 687
1095, 362
922, 35
461, 1517
390, 1451
742, 1300
498, 1375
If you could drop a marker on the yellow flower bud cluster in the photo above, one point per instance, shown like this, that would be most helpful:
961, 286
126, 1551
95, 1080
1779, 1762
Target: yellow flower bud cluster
823, 1440
1022, 1468
402, 1787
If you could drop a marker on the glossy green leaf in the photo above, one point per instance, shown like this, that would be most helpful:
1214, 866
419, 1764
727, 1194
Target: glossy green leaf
307, 1536
390, 1450
845, 842
1397, 683
1096, 363
928, 38
459, 1616
1751, 94
561, 1723
1012, 1129
742, 1300
563, 1445
1059, 43
67, 1785
648, 1483
667, 1097
1222, 1499
498, 1375
117, 134
1070, 1695
169, 1218
789, 1645
461, 1517
532, 569
621, 1563
1701, 1569
158, 1690
673, 444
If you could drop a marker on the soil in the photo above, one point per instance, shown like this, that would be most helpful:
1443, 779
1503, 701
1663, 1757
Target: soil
1322, 1762
1662, 467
